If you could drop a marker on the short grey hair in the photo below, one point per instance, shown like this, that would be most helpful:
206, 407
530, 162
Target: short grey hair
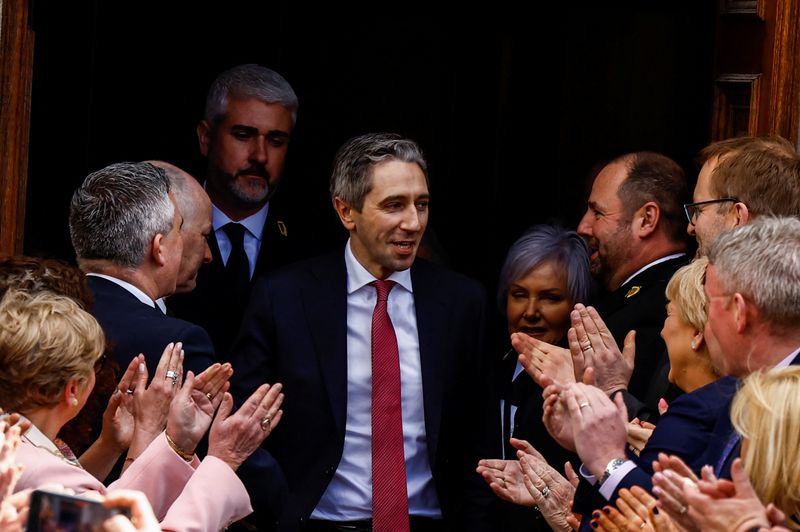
351, 179
249, 81
761, 261
548, 243
117, 211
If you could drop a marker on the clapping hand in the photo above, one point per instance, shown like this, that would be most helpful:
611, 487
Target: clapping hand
592, 345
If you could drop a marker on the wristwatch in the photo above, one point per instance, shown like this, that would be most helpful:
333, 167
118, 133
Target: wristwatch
612, 466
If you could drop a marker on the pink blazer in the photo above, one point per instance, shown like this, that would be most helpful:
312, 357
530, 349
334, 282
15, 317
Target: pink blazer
199, 496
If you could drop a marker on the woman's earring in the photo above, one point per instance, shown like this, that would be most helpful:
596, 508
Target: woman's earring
694, 344
74, 401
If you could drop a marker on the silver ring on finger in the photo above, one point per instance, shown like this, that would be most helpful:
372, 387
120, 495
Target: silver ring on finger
265, 424
210, 397
173, 375
584, 405
683, 510
586, 346
546, 492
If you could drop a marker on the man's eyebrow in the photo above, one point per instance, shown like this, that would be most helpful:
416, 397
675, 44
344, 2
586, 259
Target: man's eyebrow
252, 130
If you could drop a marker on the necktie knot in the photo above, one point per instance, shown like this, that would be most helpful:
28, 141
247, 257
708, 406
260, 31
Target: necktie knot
235, 232
383, 287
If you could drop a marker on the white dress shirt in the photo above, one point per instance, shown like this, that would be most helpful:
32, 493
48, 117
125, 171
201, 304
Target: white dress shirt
348, 497
254, 225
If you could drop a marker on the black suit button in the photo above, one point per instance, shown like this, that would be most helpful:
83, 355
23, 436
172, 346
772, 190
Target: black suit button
301, 520
329, 471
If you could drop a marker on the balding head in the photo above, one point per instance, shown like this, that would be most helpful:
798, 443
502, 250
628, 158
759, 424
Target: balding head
195, 206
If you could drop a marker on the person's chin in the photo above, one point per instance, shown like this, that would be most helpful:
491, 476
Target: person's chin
249, 192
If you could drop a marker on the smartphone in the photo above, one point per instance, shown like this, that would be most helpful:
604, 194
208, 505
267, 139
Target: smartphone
58, 512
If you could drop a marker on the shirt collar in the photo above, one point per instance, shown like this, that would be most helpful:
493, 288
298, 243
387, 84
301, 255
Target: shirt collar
358, 276
253, 223
657, 261
788, 360
141, 296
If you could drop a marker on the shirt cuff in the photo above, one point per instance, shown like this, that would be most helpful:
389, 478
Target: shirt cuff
591, 479
608, 487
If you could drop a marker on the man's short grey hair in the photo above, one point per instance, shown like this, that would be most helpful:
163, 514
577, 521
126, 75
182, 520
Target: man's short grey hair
117, 211
541, 244
249, 81
351, 179
761, 261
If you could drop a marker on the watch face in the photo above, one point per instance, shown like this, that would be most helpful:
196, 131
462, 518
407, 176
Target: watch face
611, 467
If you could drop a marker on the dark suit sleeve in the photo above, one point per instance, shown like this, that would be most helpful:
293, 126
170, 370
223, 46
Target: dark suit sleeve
198, 349
253, 350
251, 358
482, 428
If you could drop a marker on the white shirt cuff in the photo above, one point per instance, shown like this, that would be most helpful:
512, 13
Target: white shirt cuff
607, 488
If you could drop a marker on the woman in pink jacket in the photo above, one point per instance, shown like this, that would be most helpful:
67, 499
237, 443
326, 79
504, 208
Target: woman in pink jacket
49, 350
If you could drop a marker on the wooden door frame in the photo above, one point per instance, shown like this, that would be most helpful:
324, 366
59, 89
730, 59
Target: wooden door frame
16, 72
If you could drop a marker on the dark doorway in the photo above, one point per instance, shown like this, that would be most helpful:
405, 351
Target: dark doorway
512, 108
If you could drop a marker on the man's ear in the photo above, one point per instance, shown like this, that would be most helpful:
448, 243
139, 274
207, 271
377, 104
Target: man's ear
345, 212
203, 137
740, 307
646, 219
157, 251
740, 214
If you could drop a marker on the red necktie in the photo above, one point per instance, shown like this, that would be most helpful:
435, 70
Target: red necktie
389, 492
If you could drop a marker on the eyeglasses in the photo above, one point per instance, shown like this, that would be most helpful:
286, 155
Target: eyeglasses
99, 363
693, 210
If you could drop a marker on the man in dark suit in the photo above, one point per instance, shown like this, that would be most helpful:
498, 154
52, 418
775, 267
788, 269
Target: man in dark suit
635, 230
125, 228
249, 116
399, 400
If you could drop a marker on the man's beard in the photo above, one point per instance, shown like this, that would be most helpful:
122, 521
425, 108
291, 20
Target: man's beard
245, 194
617, 253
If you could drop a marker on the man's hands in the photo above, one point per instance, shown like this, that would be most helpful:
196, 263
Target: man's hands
599, 426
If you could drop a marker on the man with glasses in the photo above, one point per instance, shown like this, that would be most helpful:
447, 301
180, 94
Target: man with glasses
740, 179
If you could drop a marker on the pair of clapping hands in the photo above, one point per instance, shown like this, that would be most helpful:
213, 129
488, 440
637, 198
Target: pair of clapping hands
591, 346
685, 502
185, 406
530, 481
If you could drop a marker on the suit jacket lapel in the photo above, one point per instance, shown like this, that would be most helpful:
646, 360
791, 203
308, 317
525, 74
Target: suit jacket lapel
325, 302
430, 309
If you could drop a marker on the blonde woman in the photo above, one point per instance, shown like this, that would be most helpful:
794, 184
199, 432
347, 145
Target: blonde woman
49, 349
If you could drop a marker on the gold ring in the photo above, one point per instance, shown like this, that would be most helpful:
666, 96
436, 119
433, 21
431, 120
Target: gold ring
210, 397
265, 423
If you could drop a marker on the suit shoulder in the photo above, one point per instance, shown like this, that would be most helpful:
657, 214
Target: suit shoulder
435, 275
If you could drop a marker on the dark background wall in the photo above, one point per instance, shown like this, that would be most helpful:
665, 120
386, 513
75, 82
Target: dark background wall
513, 107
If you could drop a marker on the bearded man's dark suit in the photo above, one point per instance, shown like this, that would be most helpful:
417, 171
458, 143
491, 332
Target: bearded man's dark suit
295, 332
640, 305
213, 305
